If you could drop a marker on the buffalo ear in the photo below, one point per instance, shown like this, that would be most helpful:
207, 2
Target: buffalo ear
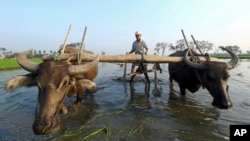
19, 81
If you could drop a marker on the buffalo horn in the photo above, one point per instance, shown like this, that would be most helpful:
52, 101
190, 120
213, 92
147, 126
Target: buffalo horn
233, 62
192, 64
80, 69
26, 63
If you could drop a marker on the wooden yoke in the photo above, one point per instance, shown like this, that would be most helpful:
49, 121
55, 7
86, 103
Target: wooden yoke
129, 58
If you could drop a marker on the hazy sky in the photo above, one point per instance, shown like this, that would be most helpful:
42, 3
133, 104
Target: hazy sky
42, 25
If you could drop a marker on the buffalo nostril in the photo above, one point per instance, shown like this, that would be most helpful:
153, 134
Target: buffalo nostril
222, 104
45, 126
230, 105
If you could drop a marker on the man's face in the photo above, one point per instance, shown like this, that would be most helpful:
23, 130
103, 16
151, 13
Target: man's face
138, 37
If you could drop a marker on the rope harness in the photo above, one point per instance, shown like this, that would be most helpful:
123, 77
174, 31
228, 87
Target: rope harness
200, 75
195, 59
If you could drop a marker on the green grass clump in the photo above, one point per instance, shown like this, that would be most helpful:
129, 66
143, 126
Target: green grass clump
10, 64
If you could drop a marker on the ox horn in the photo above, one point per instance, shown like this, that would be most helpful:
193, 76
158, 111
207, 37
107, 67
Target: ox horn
233, 62
192, 64
80, 69
26, 63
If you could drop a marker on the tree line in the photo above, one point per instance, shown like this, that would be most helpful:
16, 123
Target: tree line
205, 47
4, 53
160, 48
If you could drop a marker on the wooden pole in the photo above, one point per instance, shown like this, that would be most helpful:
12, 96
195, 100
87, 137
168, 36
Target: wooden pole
66, 39
155, 75
125, 70
82, 45
129, 58
196, 44
184, 38
186, 41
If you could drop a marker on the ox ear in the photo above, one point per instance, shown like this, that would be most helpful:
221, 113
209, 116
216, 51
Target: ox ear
86, 84
19, 81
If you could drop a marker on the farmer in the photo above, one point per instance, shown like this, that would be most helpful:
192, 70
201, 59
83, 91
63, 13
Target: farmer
138, 47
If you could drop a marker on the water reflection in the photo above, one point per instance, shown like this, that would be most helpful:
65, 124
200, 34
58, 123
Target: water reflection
139, 99
157, 90
195, 122
132, 112
74, 124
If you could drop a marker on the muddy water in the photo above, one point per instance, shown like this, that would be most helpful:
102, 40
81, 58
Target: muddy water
122, 111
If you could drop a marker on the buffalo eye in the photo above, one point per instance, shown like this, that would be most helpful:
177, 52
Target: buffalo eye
209, 78
65, 82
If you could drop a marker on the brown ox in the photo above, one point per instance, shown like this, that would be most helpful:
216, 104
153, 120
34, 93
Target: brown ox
55, 80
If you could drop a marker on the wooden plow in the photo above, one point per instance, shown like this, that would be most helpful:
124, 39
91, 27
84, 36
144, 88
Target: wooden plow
80, 56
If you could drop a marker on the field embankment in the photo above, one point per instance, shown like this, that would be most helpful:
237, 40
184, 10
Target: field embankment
10, 64
228, 56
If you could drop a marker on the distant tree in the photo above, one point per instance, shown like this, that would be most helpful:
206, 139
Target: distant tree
161, 46
248, 52
34, 52
157, 49
44, 51
204, 46
180, 45
39, 51
50, 51
74, 45
103, 53
235, 49
7, 53
10, 54
2, 48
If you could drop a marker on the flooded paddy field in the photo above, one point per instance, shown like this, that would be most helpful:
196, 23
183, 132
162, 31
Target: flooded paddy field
123, 111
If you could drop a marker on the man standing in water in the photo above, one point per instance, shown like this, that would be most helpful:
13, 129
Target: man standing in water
139, 47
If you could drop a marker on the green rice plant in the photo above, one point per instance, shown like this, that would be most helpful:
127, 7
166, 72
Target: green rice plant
106, 130
91, 120
139, 128
239, 74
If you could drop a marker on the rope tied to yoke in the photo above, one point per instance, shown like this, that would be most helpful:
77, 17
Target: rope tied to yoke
196, 59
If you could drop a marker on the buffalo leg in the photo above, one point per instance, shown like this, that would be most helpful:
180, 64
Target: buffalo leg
64, 109
182, 89
171, 86
79, 97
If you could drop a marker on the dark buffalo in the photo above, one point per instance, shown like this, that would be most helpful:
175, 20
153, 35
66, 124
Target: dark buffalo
55, 80
210, 75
